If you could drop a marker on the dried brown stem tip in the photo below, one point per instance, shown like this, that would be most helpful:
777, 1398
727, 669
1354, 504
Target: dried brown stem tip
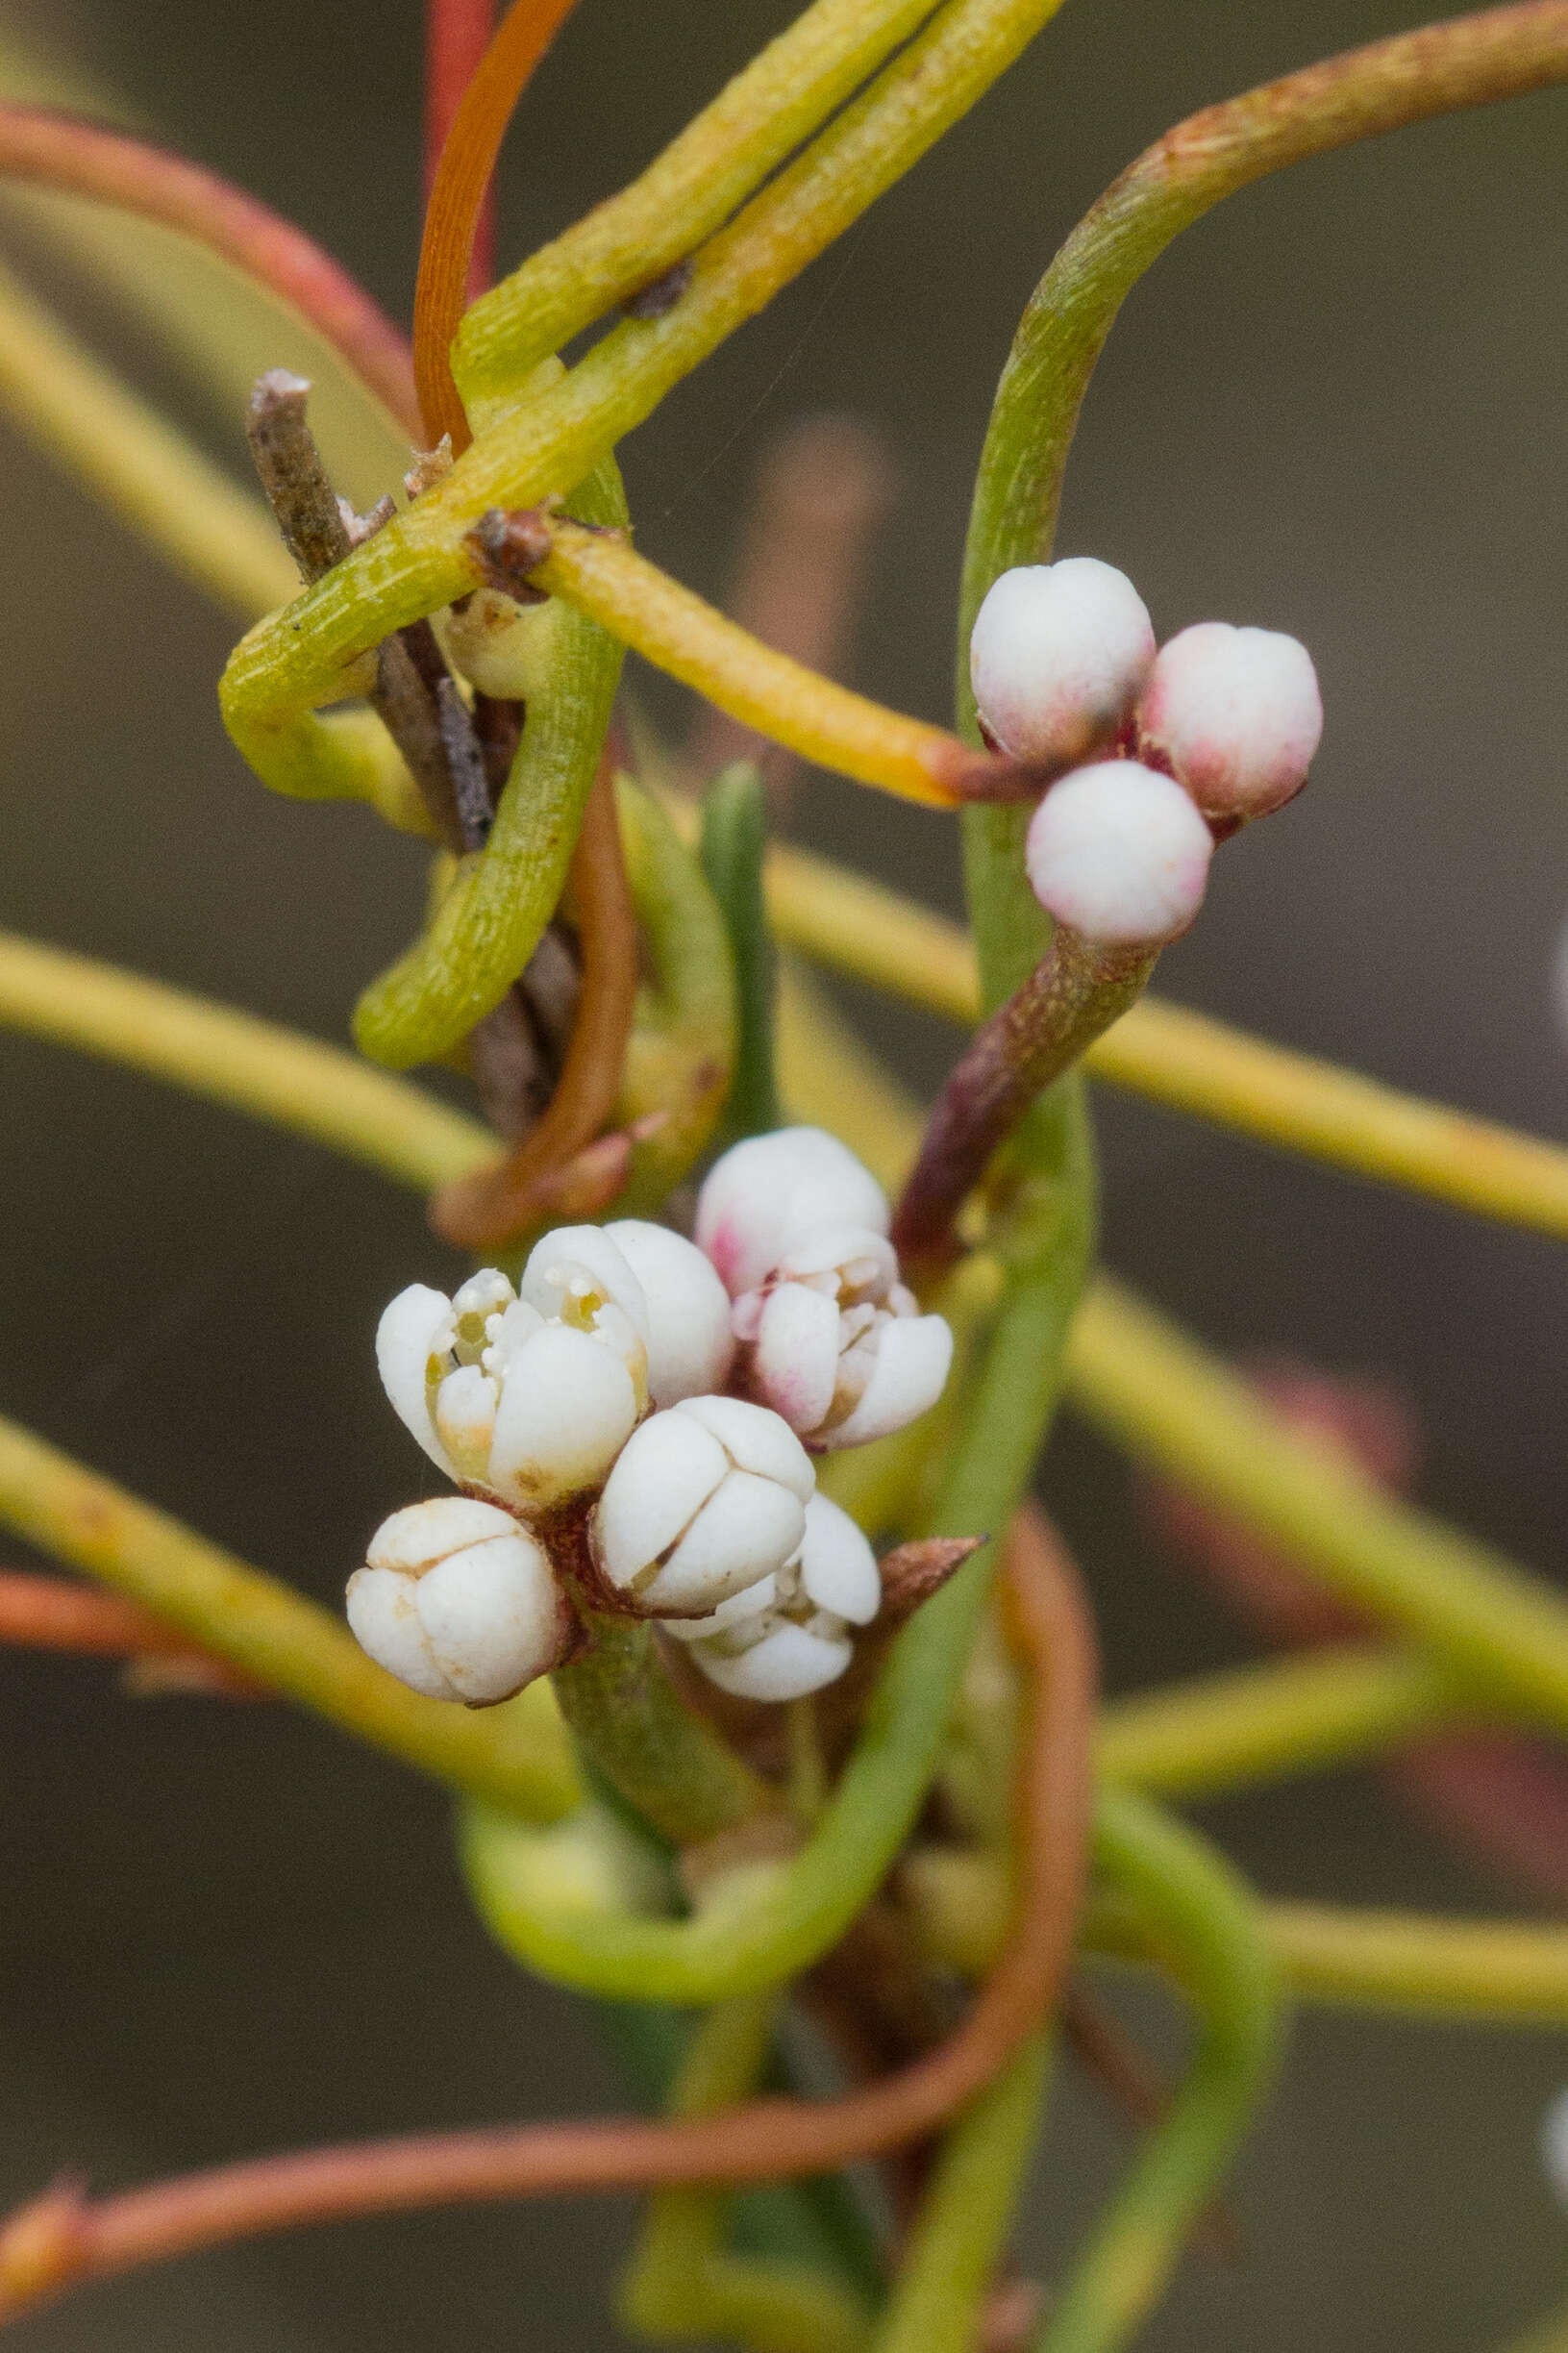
410, 668
508, 543
768, 2139
1076, 992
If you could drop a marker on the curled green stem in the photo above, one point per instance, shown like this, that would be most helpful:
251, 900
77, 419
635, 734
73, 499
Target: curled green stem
493, 915
1207, 1926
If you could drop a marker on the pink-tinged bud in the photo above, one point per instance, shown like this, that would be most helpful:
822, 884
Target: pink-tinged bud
690, 1339
459, 1602
1236, 715
1119, 854
772, 1191
835, 1343
704, 1501
1058, 657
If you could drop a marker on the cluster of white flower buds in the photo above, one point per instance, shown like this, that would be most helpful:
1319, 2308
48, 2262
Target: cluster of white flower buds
640, 1413
1165, 749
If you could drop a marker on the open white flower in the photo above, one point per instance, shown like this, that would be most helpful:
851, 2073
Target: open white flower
771, 1192
837, 1344
704, 1501
459, 1602
529, 1399
690, 1340
798, 1639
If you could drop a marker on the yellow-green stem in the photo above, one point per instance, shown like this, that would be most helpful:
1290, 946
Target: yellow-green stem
145, 471
232, 1058
1164, 1396
515, 1757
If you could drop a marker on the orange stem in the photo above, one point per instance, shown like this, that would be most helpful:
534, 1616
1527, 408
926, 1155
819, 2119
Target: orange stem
40, 1613
457, 201
86, 159
62, 2237
496, 1203
457, 35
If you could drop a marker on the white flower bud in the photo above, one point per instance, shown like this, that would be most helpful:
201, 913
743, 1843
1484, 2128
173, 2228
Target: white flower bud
459, 1602
785, 1661
836, 1345
704, 1501
771, 1192
534, 1406
690, 1340
1235, 714
1119, 853
1056, 657
797, 1638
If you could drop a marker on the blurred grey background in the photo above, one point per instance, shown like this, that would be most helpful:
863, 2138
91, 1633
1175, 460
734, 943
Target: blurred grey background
1335, 408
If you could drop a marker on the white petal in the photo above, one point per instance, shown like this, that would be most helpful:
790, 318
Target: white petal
838, 1566
689, 1342
750, 1602
772, 1190
511, 1330
866, 1261
787, 1664
403, 1344
573, 1255
493, 1615
743, 1531
422, 1532
796, 1364
567, 1407
385, 1624
662, 1477
484, 1295
914, 1355
755, 1440
465, 1419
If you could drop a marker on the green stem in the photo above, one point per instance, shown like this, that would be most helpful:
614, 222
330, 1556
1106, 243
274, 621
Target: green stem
682, 2281
494, 913
1204, 1918
1511, 1972
687, 192
733, 843
961, 2229
515, 1757
662, 1758
551, 438
145, 471
233, 1057
1469, 61
1251, 1725
1154, 1390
